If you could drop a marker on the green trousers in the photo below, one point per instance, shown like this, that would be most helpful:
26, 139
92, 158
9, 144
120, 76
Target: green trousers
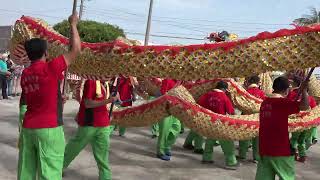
182, 127
227, 148
122, 130
99, 138
22, 111
169, 129
298, 141
311, 135
244, 147
196, 138
155, 129
41, 154
269, 167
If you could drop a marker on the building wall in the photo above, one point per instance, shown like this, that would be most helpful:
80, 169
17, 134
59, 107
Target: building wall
5, 35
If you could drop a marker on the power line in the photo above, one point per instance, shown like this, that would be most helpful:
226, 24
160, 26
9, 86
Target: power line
166, 36
203, 26
205, 30
197, 20
169, 24
187, 23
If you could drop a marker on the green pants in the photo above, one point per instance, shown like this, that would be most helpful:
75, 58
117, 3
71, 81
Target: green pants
269, 167
314, 133
298, 141
198, 140
122, 130
227, 148
169, 129
22, 111
41, 154
244, 147
99, 138
311, 135
155, 129
182, 127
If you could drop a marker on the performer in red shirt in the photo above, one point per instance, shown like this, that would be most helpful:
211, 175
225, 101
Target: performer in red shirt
93, 121
254, 89
217, 101
42, 138
125, 90
276, 155
299, 139
169, 128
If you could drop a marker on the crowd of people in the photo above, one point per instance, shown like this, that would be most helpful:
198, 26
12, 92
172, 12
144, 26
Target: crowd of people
10, 76
43, 152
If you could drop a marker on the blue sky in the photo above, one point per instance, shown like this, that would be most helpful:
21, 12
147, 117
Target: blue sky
194, 19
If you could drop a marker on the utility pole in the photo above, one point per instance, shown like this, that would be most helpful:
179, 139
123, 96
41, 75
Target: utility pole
146, 40
81, 9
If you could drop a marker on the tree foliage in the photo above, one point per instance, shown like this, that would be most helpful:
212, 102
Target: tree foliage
91, 31
309, 19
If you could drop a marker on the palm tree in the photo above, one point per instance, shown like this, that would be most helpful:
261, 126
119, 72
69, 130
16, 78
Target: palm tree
312, 18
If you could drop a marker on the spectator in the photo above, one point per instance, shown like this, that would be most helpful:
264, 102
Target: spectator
16, 80
10, 67
4, 73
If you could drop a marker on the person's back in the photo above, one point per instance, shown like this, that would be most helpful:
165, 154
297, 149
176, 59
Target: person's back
217, 101
274, 144
253, 88
42, 138
273, 132
40, 83
126, 91
256, 92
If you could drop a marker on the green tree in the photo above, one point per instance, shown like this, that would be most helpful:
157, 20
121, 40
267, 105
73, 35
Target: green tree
309, 19
92, 31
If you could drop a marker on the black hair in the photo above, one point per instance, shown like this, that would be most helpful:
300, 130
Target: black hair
222, 85
254, 80
280, 84
35, 48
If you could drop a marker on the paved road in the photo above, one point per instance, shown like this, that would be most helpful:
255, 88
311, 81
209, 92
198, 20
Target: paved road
133, 157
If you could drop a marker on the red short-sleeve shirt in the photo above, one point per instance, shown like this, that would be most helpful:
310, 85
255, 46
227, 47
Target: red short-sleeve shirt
294, 93
166, 85
217, 102
96, 117
40, 84
256, 92
273, 132
312, 102
125, 91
